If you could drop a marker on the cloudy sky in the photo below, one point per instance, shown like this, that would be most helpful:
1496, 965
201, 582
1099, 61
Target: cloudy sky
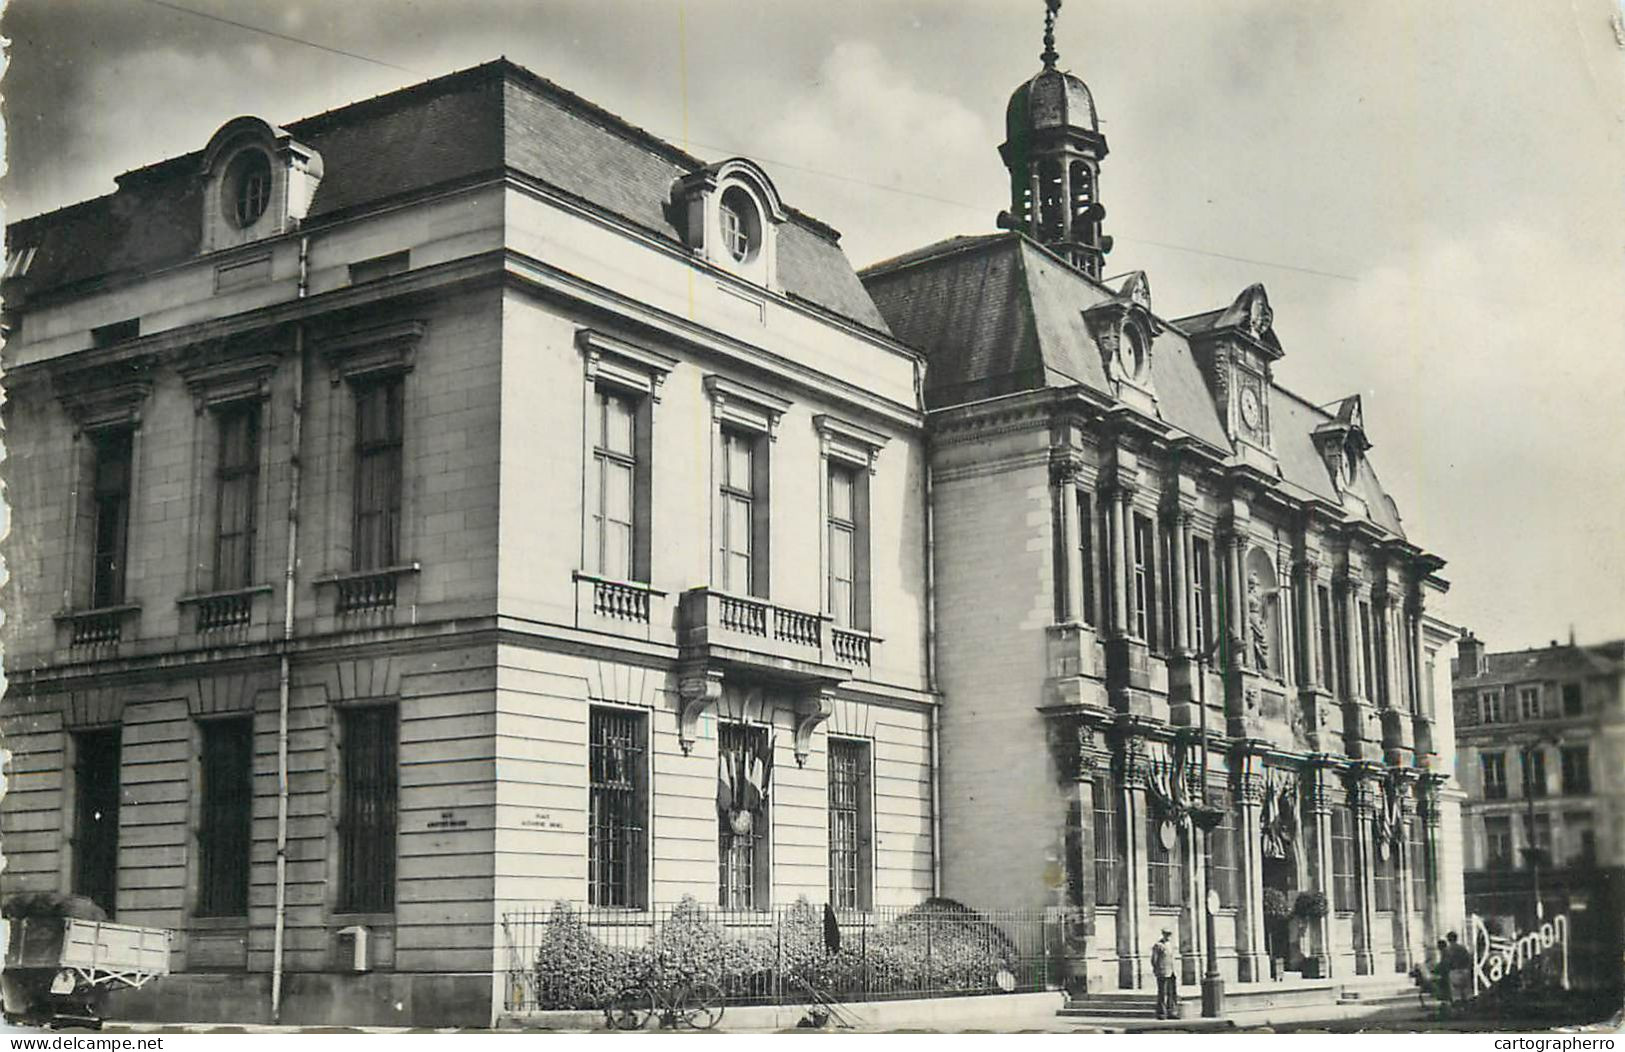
1430, 191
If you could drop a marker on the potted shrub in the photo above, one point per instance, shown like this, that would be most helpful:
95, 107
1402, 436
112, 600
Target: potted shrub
1277, 912
1309, 907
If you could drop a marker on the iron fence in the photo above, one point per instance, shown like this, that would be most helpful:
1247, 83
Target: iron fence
575, 956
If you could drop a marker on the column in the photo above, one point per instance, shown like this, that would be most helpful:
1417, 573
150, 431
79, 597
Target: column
1236, 544
1180, 523
1118, 571
1070, 538
1309, 617
1134, 933
1363, 801
1356, 642
1432, 918
1251, 963
1321, 787
1418, 648
1405, 947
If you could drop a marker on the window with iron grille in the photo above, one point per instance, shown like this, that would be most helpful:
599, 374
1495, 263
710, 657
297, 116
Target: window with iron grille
1493, 767
1144, 581
743, 865
380, 427
1163, 862
236, 481
1576, 761
1201, 574
96, 772
1343, 898
1421, 863
111, 488
225, 822
1382, 873
612, 488
618, 809
1108, 843
370, 779
849, 866
1226, 873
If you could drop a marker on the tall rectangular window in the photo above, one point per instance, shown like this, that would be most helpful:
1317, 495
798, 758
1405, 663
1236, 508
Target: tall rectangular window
1493, 768
1343, 896
111, 488
1421, 864
1328, 652
1108, 845
1201, 590
850, 869
612, 487
96, 790
1573, 701
1144, 581
1576, 761
1163, 861
1368, 652
1529, 703
1534, 772
380, 427
847, 526
1226, 872
370, 780
1382, 874
226, 822
1086, 556
1489, 706
617, 807
1497, 842
743, 866
1537, 831
1580, 834
236, 482
743, 516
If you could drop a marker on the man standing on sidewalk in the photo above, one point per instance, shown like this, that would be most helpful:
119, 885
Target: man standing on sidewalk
1162, 966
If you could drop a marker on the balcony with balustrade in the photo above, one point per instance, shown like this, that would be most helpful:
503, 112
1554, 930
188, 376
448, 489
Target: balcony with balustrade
764, 637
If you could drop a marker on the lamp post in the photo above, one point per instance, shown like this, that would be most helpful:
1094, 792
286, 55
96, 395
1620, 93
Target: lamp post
1533, 853
1207, 818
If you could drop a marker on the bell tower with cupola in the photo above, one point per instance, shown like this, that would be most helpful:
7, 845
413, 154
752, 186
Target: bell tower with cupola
1053, 149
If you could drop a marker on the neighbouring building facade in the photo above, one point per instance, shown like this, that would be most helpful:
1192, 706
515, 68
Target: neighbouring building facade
1165, 585
411, 504
464, 500
1540, 739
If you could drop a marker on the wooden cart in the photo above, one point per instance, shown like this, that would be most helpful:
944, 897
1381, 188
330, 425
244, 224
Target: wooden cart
57, 967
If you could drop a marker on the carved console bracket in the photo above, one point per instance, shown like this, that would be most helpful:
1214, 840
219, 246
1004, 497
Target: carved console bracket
1076, 739
699, 689
812, 709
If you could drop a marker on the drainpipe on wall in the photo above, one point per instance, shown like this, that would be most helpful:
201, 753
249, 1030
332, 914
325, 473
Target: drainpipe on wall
285, 670
935, 713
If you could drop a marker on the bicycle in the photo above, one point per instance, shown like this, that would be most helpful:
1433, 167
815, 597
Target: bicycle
697, 1004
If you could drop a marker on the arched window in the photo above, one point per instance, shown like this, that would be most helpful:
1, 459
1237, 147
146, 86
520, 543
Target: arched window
741, 224
248, 187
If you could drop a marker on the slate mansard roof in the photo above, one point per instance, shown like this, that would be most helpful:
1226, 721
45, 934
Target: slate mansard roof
998, 314
473, 124
1557, 662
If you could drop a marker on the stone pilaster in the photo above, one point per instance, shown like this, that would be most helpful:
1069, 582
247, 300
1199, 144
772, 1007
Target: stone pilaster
1069, 565
1248, 776
1364, 798
1134, 904
1405, 947
1320, 785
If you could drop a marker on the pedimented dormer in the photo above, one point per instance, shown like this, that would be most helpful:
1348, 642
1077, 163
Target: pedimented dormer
258, 181
1237, 350
730, 214
1124, 329
1342, 445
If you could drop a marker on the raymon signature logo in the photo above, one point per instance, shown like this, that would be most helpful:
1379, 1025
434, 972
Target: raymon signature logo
1497, 956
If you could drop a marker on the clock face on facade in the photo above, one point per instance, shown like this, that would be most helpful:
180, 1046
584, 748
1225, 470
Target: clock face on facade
1249, 408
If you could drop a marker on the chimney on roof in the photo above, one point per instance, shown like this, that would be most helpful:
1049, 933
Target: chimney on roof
1571, 633
1470, 651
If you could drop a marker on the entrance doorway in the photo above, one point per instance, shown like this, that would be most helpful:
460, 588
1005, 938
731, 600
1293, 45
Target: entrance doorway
1280, 889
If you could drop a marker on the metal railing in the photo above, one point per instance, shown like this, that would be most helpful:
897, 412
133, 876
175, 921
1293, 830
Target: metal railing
573, 956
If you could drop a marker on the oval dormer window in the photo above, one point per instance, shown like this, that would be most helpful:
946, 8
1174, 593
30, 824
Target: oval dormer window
741, 224
248, 184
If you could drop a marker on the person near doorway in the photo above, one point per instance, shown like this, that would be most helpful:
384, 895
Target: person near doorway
1162, 966
1460, 963
1441, 972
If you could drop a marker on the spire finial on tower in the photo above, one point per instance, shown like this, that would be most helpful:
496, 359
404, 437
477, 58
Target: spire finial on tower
1050, 54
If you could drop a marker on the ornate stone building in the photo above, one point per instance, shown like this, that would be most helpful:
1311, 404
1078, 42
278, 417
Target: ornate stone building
1164, 584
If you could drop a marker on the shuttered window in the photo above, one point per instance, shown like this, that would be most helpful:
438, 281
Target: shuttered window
96, 815
369, 769
236, 488
227, 813
379, 431
618, 809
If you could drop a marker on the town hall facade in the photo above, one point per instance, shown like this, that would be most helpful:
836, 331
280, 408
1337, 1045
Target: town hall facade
406, 536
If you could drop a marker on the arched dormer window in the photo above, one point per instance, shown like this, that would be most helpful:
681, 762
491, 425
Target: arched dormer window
258, 181
730, 214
